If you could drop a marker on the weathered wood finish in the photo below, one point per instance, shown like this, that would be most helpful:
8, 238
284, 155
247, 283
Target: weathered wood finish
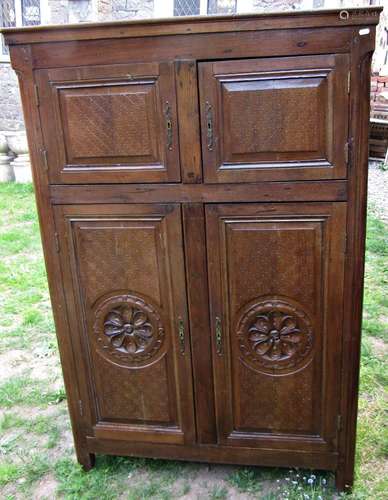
201, 189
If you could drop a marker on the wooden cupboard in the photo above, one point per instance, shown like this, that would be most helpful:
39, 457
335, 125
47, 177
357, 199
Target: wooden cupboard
201, 186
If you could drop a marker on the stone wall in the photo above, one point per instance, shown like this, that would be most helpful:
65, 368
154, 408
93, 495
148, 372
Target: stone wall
58, 11
265, 5
11, 116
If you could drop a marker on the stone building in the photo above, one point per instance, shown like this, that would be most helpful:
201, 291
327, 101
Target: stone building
32, 12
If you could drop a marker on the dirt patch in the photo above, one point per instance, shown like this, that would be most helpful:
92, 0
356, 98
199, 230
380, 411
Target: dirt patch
13, 363
379, 346
46, 488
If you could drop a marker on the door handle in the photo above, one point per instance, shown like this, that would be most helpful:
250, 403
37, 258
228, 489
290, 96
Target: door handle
167, 115
181, 335
218, 336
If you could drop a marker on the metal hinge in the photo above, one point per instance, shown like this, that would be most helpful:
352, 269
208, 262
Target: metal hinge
57, 246
45, 161
339, 422
36, 91
81, 408
181, 335
347, 151
349, 82
346, 244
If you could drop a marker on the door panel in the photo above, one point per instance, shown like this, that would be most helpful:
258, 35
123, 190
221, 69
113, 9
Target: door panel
129, 309
276, 280
114, 123
274, 119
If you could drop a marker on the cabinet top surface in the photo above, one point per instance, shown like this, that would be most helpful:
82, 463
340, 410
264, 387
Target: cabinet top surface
194, 24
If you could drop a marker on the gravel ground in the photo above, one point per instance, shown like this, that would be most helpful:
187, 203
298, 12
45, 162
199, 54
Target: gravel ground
378, 189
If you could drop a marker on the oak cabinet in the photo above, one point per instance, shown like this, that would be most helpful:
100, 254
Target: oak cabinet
201, 187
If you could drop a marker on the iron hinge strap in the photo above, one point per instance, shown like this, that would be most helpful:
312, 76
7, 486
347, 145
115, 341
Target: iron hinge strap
57, 245
45, 160
218, 335
81, 408
181, 334
348, 152
36, 92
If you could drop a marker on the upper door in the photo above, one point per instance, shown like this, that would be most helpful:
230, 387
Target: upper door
274, 119
123, 273
276, 286
114, 123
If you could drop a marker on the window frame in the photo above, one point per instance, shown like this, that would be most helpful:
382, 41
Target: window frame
44, 16
165, 8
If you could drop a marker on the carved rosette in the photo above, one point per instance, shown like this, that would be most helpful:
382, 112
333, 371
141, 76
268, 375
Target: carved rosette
128, 330
275, 337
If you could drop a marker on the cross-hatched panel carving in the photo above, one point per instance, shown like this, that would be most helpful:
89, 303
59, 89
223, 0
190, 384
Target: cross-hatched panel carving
134, 395
293, 113
186, 7
109, 124
120, 258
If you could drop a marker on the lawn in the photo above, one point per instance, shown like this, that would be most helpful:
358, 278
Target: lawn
36, 454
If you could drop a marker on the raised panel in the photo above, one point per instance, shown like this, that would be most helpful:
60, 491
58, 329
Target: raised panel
110, 123
276, 279
274, 119
128, 305
107, 132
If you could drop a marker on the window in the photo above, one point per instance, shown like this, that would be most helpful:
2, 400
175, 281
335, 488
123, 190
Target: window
187, 7
168, 8
221, 6
20, 13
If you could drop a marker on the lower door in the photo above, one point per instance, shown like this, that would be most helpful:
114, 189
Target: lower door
276, 283
123, 273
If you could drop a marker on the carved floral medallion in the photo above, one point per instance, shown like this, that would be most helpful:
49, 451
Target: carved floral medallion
128, 330
275, 337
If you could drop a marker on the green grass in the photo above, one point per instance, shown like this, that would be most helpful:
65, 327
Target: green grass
218, 493
35, 444
246, 480
22, 390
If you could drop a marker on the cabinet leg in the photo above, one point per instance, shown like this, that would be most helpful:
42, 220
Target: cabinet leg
87, 460
344, 479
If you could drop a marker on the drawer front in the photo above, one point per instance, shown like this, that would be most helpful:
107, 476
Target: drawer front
114, 123
275, 118
123, 272
276, 292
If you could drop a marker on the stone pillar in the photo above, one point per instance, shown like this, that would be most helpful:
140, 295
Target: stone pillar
17, 143
6, 171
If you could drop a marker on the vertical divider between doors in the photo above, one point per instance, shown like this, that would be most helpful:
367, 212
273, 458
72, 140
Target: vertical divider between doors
199, 317
186, 81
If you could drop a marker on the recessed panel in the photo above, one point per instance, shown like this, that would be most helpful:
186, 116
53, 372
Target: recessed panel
114, 122
273, 119
110, 124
